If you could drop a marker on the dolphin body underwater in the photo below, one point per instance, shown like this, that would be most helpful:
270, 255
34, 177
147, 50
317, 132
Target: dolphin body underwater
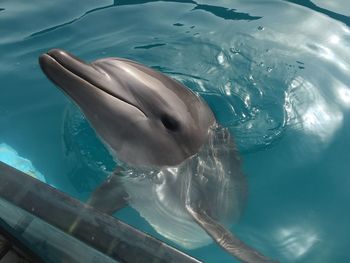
180, 171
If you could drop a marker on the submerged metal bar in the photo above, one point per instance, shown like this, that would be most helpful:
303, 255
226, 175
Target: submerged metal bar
100, 231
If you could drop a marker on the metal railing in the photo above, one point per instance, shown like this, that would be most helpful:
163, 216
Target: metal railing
102, 232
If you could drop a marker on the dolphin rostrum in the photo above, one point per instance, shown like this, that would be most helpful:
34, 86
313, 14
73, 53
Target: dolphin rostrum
180, 171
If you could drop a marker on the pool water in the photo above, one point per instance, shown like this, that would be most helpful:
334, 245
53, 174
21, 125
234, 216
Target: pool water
277, 73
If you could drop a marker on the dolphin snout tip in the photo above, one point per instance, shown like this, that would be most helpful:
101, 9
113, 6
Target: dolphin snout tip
63, 57
51, 54
57, 52
43, 59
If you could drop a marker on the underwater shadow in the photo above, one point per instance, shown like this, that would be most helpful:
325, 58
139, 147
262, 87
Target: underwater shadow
309, 4
222, 12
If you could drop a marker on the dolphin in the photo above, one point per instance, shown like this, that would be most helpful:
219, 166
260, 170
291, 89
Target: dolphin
181, 169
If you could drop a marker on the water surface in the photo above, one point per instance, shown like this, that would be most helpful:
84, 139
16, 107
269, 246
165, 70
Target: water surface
275, 72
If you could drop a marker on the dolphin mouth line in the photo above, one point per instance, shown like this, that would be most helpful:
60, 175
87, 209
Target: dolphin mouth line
74, 72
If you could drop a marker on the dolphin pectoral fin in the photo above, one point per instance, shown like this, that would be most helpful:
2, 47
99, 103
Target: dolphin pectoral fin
226, 239
110, 196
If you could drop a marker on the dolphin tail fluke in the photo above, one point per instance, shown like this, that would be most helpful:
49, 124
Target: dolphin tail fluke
226, 239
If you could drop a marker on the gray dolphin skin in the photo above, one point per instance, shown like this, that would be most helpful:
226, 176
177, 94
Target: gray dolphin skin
127, 102
182, 171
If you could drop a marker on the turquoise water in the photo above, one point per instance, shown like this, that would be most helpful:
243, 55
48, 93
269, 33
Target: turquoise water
277, 73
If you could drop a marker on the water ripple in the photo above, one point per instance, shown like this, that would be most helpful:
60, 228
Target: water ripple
218, 11
150, 46
309, 4
275, 72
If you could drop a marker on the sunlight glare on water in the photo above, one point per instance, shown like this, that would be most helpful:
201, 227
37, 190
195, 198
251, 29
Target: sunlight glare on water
276, 73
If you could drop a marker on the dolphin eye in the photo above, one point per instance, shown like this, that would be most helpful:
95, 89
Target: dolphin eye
170, 123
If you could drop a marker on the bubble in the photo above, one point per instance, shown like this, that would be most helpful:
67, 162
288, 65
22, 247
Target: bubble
235, 51
220, 58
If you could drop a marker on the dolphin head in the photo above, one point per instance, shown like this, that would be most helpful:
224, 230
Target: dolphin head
144, 117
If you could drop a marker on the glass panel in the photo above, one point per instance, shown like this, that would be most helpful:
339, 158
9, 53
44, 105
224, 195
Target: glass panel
48, 242
39, 202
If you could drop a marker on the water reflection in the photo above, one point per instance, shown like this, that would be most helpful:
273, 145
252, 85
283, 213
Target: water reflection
150, 46
285, 87
334, 39
332, 54
296, 241
222, 12
225, 13
308, 110
343, 95
331, 14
